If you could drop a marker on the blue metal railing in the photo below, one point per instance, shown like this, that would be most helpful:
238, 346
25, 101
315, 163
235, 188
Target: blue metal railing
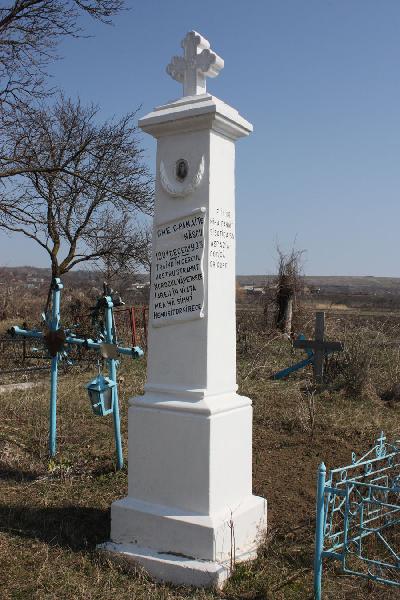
358, 516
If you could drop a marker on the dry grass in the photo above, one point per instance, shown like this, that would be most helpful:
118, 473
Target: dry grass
52, 514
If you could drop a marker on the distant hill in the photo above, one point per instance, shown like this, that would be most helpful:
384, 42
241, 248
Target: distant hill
327, 283
41, 275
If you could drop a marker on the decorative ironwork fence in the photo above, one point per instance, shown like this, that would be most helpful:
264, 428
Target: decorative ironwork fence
358, 516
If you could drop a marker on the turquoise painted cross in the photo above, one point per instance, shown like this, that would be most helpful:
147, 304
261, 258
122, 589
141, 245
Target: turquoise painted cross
56, 339
316, 350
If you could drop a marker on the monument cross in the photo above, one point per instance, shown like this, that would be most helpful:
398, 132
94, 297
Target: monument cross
197, 63
320, 346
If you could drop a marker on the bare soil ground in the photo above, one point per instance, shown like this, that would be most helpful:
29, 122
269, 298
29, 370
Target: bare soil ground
53, 513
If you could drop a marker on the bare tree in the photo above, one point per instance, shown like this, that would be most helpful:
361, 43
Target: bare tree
79, 184
128, 248
30, 31
289, 284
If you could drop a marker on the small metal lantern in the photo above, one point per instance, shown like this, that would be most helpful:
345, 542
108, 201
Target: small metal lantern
101, 395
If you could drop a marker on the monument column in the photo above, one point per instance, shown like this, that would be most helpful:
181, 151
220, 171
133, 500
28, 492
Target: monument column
190, 507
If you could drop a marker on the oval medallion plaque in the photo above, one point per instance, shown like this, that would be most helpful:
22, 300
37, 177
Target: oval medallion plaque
181, 169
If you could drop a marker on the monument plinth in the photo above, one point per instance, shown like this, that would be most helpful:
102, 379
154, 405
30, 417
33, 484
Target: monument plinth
190, 509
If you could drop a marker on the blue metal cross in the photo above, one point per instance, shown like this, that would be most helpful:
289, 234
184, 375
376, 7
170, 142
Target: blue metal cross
316, 350
69, 339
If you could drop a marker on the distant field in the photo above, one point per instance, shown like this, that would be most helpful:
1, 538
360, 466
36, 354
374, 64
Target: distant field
358, 294
12, 275
355, 284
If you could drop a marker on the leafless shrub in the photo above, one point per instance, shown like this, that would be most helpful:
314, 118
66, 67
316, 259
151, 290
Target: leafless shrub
250, 332
288, 288
352, 370
392, 394
303, 417
259, 348
307, 410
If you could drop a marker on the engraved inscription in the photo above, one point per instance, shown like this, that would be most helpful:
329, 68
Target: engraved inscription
178, 278
222, 236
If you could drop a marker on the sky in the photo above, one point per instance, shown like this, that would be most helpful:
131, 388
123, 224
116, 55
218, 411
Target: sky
319, 80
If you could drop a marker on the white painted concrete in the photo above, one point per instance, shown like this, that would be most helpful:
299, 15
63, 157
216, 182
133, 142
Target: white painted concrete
172, 530
173, 569
197, 63
189, 494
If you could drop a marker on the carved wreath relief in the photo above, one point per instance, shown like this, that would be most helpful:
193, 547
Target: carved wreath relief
179, 184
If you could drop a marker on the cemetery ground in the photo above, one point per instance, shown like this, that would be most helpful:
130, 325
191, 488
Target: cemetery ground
53, 513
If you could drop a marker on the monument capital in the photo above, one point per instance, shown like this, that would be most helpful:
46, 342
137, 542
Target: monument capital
197, 63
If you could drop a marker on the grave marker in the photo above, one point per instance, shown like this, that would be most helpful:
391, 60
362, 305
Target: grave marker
56, 339
190, 512
320, 346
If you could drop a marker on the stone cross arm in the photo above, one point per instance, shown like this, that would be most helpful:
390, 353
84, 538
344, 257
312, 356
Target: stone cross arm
197, 62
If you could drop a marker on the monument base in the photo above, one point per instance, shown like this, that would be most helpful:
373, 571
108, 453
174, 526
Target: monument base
182, 548
170, 530
189, 512
232, 536
173, 568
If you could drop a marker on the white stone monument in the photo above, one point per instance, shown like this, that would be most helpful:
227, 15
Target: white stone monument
190, 513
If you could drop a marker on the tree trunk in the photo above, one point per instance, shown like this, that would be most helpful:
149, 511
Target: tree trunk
55, 272
285, 311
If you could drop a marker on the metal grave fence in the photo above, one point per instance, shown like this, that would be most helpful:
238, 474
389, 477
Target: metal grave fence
358, 516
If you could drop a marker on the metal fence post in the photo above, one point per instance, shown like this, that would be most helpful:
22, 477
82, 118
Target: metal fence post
113, 376
144, 326
57, 286
319, 531
133, 325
